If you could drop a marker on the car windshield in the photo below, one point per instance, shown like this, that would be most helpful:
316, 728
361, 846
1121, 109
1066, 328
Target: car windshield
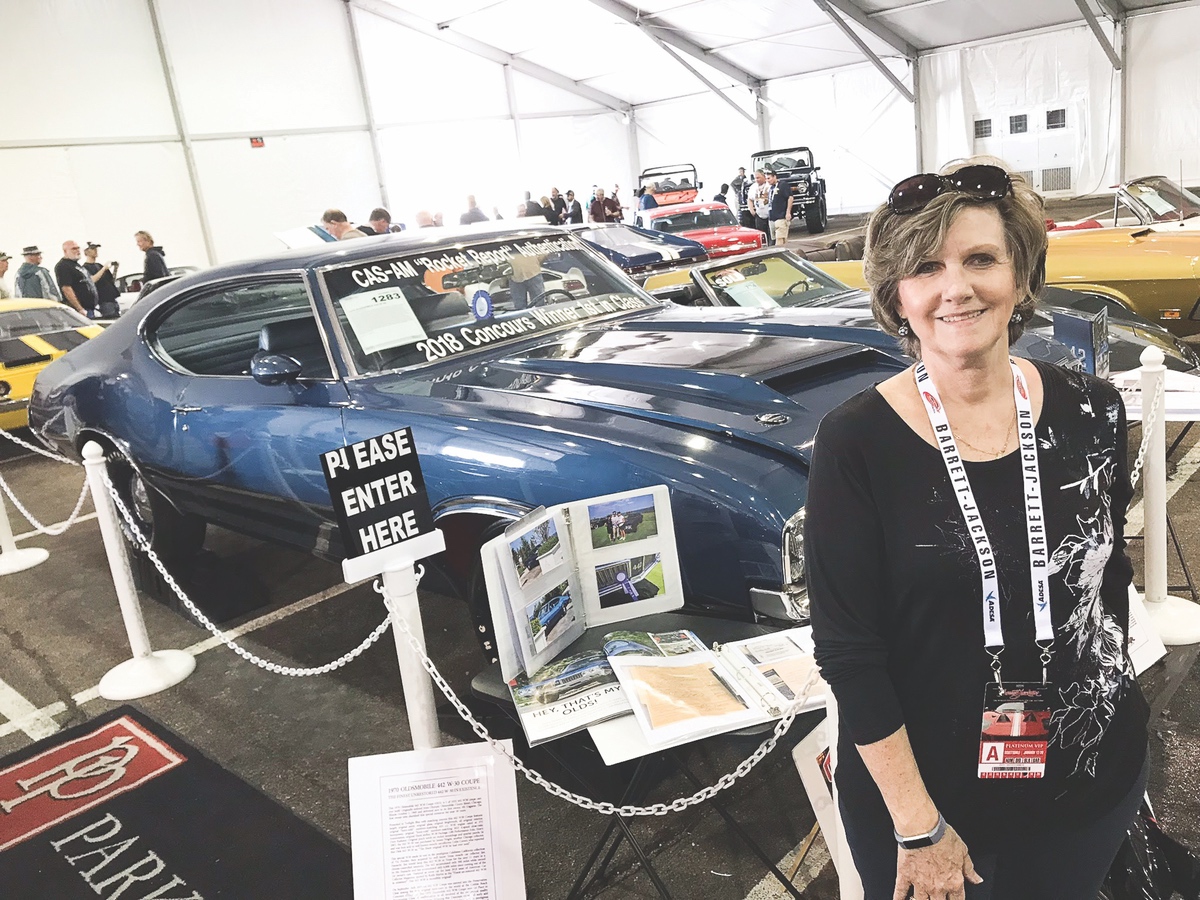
717, 217
1165, 199
428, 305
786, 159
17, 322
769, 281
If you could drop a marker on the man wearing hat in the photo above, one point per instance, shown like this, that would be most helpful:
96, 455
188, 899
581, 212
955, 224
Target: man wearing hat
74, 281
33, 280
5, 293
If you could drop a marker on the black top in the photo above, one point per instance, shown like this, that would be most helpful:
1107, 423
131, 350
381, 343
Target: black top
779, 199
574, 212
106, 287
472, 215
155, 266
897, 613
69, 273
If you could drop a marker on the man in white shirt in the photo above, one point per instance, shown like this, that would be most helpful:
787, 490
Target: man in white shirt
760, 202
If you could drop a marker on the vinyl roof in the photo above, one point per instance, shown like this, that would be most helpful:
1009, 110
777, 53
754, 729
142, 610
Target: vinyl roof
639, 52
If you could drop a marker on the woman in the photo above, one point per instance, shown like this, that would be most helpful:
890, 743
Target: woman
965, 543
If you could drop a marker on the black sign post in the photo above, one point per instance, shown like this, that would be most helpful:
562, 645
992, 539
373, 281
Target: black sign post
382, 511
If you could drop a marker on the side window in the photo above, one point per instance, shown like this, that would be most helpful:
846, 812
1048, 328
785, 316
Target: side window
219, 333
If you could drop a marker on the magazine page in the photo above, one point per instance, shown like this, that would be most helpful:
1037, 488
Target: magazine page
645, 643
567, 695
686, 696
780, 668
542, 587
625, 553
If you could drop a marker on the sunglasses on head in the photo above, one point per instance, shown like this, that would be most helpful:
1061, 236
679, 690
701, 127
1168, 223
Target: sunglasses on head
979, 182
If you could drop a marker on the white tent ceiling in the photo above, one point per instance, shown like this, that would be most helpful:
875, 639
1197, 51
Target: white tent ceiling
632, 51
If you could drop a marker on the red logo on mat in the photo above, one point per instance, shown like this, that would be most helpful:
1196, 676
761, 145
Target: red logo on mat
931, 400
66, 780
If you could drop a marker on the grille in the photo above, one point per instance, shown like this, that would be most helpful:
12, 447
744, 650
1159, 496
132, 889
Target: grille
1057, 179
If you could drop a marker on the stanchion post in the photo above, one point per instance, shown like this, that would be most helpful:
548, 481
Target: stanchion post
400, 592
13, 559
149, 671
1176, 620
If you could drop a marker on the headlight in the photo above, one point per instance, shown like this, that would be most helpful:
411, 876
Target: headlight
793, 552
5, 389
802, 188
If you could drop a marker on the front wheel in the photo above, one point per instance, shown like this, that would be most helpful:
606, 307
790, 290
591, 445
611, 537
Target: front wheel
173, 535
816, 217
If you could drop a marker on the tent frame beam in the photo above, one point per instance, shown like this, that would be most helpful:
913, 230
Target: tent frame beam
184, 136
670, 36
826, 6
487, 51
1114, 9
852, 11
674, 54
364, 93
1101, 37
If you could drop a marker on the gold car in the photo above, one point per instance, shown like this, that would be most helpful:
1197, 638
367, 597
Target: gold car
1154, 273
33, 333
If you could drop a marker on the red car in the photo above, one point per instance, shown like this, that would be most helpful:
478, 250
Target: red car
711, 224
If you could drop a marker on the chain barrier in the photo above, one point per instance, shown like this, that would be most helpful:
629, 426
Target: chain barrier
606, 808
41, 451
52, 530
1147, 426
293, 671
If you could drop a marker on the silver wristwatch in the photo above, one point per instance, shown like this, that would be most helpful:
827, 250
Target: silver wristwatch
917, 841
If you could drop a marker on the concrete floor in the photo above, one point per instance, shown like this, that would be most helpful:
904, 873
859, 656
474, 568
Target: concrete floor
60, 631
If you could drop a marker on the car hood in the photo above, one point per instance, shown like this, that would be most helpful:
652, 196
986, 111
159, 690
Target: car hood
725, 234
730, 373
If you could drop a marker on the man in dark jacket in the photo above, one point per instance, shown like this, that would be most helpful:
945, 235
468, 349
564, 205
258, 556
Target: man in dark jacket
155, 265
76, 285
103, 277
574, 212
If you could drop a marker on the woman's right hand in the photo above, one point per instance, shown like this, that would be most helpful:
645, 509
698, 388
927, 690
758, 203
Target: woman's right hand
936, 872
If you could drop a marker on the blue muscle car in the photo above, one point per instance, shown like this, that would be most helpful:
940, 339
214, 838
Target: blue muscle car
531, 371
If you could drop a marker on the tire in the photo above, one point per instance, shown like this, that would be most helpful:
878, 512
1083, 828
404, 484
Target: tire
174, 536
816, 217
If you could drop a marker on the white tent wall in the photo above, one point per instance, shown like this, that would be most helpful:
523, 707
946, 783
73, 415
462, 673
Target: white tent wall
1163, 115
1029, 76
861, 131
102, 193
575, 152
700, 129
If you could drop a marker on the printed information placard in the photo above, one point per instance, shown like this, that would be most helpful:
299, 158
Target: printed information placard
436, 823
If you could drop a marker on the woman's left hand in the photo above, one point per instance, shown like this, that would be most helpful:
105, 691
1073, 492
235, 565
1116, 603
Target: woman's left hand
936, 873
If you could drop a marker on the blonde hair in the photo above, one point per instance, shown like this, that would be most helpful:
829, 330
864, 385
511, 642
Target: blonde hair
896, 246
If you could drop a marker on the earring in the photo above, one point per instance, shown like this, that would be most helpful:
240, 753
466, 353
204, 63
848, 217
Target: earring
1016, 318
903, 329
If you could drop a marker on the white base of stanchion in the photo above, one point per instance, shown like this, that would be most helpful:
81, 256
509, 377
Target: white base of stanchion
19, 560
146, 675
1176, 620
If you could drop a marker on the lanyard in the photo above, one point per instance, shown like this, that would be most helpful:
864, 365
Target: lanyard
1034, 524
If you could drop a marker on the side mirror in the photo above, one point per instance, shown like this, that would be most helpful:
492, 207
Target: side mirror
699, 184
274, 368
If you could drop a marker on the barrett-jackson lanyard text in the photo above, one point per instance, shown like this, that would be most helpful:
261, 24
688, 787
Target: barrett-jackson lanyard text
1034, 523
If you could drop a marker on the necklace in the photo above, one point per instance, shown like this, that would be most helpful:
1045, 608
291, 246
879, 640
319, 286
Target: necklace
998, 453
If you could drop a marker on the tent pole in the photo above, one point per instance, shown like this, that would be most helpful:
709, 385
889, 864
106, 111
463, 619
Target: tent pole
181, 128
365, 95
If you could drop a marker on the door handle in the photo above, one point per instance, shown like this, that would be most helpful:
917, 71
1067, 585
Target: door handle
186, 409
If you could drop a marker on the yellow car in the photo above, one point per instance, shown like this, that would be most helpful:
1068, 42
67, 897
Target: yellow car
33, 333
1154, 273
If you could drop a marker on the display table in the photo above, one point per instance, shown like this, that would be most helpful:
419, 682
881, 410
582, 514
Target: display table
651, 764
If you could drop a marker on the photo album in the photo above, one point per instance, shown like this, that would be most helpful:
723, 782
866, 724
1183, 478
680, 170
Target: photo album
557, 572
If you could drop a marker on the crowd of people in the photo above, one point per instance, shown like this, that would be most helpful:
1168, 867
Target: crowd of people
88, 287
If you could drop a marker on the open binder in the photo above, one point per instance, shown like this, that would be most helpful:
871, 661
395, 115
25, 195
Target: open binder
604, 560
